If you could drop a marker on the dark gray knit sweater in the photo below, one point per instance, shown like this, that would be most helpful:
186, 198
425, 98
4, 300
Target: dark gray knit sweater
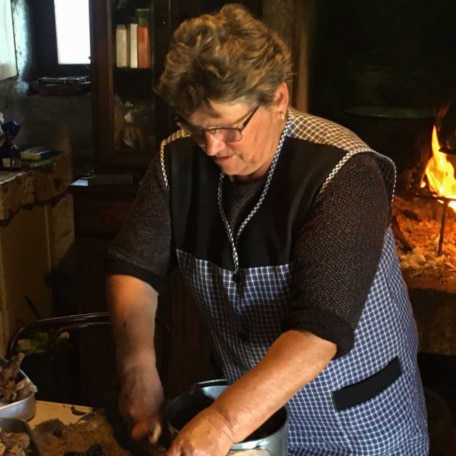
336, 254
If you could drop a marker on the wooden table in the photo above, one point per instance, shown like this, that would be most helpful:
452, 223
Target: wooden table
59, 428
66, 413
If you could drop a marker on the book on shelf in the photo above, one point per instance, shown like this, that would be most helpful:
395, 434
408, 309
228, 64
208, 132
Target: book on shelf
143, 47
133, 44
143, 37
63, 79
106, 179
37, 153
32, 164
122, 59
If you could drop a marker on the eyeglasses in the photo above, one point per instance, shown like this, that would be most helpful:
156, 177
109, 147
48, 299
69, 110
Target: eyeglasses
225, 134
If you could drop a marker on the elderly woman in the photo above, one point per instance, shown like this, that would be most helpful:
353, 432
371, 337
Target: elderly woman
280, 224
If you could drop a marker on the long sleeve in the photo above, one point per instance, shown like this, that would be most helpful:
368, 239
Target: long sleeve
143, 248
338, 251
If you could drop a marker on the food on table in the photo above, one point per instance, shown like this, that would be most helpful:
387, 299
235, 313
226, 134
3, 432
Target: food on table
14, 444
100, 428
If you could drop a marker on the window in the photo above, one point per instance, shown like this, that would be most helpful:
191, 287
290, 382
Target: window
61, 37
7, 49
72, 20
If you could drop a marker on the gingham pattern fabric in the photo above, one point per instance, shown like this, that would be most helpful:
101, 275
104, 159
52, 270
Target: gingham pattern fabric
322, 131
245, 317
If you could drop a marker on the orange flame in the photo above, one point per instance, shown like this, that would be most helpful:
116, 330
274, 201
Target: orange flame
440, 173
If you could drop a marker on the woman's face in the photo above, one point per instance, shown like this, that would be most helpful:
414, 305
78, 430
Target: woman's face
250, 157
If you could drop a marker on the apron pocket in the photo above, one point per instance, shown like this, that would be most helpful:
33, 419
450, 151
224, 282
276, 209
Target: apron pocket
366, 389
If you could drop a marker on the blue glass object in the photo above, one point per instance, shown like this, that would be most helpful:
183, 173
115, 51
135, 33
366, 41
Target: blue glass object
10, 155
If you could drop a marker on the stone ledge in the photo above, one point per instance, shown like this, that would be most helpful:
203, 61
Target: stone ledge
37, 186
435, 314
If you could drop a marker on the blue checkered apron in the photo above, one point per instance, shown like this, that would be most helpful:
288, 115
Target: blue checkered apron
245, 319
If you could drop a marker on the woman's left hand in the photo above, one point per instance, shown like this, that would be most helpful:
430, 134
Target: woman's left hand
207, 434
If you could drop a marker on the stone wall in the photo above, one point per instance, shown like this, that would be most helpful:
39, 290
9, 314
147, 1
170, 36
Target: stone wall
294, 22
65, 122
59, 122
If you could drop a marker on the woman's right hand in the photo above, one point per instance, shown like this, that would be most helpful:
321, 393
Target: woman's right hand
141, 401
133, 304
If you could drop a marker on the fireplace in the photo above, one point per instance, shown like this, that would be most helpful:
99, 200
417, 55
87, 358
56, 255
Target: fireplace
388, 54
424, 222
383, 69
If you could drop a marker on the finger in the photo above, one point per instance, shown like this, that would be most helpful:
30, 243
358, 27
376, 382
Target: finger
140, 430
155, 433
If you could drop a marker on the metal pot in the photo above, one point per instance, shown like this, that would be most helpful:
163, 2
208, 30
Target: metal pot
269, 440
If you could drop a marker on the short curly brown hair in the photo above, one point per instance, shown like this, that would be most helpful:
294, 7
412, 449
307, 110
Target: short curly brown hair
224, 56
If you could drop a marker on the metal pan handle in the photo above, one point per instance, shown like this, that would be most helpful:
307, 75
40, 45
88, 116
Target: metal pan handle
213, 382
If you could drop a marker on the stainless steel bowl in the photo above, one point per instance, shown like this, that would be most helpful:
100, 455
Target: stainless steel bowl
17, 425
23, 409
269, 440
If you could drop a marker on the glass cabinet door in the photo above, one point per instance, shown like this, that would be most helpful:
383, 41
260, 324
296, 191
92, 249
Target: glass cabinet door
124, 73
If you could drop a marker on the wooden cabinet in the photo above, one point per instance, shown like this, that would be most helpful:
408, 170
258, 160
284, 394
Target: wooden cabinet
128, 124
99, 214
25, 269
124, 111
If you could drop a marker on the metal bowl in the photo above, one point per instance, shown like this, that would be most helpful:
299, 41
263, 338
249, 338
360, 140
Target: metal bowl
269, 439
17, 425
23, 409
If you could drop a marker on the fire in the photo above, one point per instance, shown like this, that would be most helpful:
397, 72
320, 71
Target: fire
439, 173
